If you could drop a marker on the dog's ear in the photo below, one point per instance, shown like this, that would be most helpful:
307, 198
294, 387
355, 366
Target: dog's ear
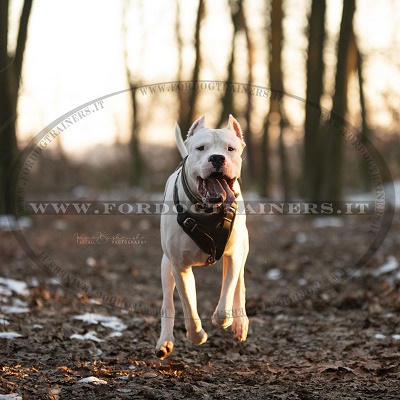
234, 126
199, 123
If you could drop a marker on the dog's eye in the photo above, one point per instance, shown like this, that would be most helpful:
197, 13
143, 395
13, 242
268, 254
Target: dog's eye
200, 148
231, 148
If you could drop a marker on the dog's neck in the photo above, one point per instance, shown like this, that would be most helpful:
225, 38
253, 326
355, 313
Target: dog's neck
190, 193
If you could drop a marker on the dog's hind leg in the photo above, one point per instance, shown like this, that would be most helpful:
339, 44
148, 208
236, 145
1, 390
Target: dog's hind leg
165, 343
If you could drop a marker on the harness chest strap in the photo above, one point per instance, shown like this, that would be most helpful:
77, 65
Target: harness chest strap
210, 231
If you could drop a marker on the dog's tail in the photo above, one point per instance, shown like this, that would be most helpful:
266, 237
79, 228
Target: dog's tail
179, 141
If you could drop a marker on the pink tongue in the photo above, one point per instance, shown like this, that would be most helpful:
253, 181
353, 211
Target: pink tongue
218, 191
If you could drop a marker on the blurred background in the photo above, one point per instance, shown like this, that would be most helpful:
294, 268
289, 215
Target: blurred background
279, 66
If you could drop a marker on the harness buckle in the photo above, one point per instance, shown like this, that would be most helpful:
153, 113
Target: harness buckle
210, 261
200, 207
229, 215
190, 223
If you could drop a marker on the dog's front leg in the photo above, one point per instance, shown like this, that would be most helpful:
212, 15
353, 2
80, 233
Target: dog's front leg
165, 343
240, 323
223, 315
186, 286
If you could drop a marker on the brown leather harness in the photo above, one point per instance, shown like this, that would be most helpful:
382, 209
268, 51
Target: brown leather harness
209, 227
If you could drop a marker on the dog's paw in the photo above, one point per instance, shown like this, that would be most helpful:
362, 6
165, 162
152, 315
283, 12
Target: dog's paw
240, 328
221, 319
164, 348
199, 337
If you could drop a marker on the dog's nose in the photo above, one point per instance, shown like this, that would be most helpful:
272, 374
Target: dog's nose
217, 161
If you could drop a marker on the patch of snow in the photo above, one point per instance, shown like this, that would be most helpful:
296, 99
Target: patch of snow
96, 352
91, 335
114, 325
4, 322
357, 274
25, 222
380, 336
19, 303
37, 326
301, 238
274, 274
11, 396
92, 318
9, 335
105, 320
93, 379
390, 265
14, 309
18, 287
115, 334
328, 222
302, 282
11, 223
396, 337
4, 292
8, 223
33, 282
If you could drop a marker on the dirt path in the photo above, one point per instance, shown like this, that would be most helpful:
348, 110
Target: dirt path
343, 343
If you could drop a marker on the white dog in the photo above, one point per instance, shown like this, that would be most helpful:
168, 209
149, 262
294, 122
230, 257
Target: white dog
207, 184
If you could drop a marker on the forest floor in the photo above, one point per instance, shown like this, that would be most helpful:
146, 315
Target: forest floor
340, 343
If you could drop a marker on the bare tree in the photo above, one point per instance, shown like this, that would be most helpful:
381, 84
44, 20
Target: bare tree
249, 136
193, 94
10, 78
237, 17
333, 142
182, 95
315, 72
366, 133
137, 162
275, 117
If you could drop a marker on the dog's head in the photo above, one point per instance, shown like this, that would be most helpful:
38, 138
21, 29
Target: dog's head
214, 160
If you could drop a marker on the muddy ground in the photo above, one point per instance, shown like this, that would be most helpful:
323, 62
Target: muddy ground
340, 343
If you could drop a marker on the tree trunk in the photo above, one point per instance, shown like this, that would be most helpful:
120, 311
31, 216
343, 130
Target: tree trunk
249, 137
182, 95
333, 174
365, 178
134, 145
137, 162
196, 70
274, 119
237, 23
315, 72
10, 77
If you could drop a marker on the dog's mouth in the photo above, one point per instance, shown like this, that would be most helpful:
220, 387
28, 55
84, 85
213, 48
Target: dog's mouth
216, 189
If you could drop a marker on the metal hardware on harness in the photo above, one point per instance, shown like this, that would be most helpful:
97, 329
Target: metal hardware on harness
210, 261
190, 223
